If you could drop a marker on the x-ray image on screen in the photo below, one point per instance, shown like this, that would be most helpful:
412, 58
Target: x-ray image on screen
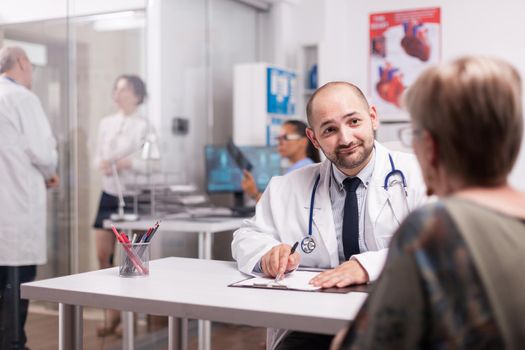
224, 175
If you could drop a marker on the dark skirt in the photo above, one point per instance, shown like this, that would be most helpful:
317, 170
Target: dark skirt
109, 205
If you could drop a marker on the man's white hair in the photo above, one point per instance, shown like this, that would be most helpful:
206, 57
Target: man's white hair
8, 57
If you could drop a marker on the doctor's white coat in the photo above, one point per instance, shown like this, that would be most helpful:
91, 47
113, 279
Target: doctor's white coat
282, 215
28, 157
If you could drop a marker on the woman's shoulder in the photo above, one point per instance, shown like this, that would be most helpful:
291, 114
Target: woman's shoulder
425, 224
441, 223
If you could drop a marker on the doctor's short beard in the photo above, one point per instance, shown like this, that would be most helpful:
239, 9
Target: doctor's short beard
351, 161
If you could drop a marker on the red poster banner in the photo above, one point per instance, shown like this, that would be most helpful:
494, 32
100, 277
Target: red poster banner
402, 44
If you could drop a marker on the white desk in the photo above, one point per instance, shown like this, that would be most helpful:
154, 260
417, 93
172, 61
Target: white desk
205, 227
191, 288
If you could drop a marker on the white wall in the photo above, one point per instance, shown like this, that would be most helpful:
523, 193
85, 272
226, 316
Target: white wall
469, 27
179, 75
233, 41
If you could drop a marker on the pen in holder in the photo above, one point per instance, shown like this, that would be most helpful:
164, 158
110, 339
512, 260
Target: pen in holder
134, 259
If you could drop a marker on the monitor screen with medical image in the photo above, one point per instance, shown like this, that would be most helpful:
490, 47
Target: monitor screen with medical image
224, 175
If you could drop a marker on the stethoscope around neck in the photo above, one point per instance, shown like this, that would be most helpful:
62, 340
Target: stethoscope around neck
393, 172
308, 243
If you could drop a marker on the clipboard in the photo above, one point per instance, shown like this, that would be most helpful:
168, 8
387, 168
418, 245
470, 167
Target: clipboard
297, 281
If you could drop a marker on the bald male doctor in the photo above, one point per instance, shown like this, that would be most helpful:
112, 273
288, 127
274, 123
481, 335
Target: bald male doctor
343, 211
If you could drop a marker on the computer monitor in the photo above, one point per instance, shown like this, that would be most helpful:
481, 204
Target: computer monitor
223, 174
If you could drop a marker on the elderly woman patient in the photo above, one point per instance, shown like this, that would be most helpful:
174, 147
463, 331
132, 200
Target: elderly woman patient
454, 275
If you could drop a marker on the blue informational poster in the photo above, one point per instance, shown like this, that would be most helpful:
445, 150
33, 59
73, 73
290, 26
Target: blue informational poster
273, 129
281, 91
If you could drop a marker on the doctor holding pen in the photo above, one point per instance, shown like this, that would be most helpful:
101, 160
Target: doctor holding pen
342, 211
120, 137
292, 144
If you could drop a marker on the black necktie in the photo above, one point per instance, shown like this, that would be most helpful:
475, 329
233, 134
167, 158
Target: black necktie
351, 218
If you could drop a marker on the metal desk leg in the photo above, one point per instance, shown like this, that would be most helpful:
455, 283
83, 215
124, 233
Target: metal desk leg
127, 331
208, 242
177, 333
204, 335
205, 247
70, 333
201, 245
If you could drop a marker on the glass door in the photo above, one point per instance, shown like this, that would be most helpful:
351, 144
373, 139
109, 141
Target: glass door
76, 61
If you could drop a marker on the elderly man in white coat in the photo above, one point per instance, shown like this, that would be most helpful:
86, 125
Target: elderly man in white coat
28, 161
342, 211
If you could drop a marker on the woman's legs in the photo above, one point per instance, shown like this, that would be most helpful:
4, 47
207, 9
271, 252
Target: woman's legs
105, 245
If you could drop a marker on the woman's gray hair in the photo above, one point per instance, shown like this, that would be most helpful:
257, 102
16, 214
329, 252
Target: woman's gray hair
472, 107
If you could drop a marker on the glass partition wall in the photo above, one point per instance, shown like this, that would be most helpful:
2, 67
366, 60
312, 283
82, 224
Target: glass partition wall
76, 61
190, 78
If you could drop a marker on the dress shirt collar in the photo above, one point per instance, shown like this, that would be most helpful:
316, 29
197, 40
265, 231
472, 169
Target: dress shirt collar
364, 175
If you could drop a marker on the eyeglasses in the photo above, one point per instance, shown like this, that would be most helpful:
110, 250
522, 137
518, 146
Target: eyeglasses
288, 137
406, 135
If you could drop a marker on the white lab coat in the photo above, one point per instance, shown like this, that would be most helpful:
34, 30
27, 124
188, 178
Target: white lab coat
282, 215
120, 137
28, 157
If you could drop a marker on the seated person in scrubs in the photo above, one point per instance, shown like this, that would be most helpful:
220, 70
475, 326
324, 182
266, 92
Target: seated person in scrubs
342, 211
292, 145
453, 277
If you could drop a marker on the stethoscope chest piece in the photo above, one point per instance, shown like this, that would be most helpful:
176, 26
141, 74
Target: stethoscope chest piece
308, 245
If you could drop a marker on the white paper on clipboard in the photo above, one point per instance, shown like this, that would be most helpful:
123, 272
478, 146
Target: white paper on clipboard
297, 280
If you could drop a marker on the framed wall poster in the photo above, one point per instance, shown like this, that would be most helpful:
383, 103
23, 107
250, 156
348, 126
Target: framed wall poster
281, 100
402, 44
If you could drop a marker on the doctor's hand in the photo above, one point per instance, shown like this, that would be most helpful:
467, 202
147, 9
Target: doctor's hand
348, 273
249, 186
53, 181
278, 260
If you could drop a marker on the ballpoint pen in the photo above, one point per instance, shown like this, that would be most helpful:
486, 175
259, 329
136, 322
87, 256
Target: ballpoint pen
145, 235
150, 235
294, 247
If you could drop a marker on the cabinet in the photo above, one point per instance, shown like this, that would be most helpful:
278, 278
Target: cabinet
309, 77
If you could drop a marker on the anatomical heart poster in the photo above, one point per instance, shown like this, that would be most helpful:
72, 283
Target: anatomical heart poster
402, 45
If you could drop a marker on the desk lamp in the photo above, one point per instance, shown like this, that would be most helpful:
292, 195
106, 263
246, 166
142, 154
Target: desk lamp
120, 215
150, 152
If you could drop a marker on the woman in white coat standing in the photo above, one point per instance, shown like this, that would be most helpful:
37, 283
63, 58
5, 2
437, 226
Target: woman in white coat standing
344, 229
28, 161
120, 138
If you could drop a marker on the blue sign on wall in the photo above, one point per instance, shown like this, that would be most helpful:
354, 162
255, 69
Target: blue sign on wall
281, 90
